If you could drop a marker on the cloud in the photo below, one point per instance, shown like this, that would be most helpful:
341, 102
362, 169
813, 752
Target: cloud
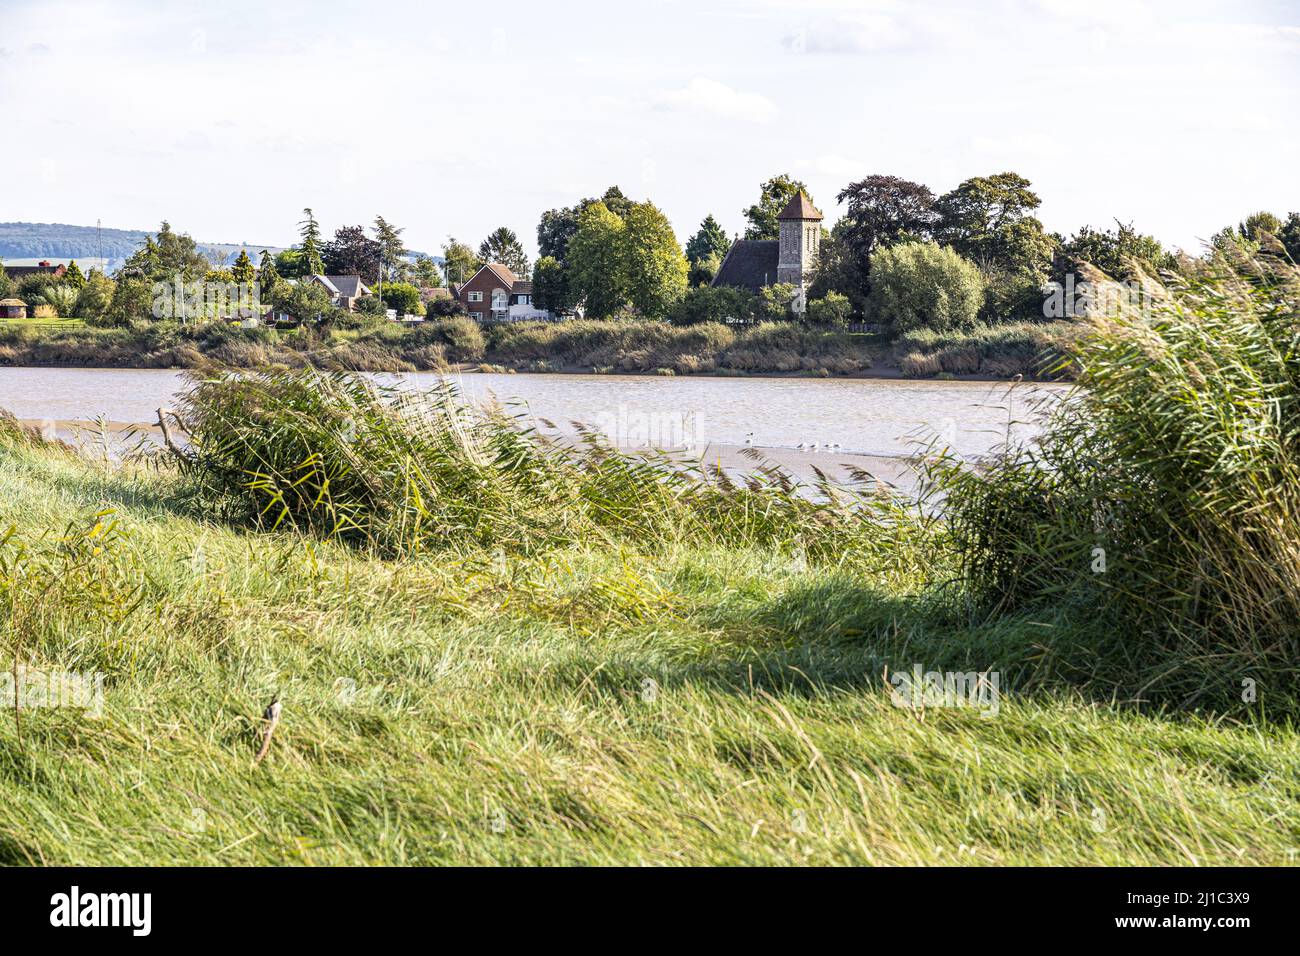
709, 96
851, 34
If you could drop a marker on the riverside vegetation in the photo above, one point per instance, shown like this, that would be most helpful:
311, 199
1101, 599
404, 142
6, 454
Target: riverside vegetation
603, 346
494, 649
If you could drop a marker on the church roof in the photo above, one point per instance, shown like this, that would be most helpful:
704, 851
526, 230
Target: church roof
750, 264
800, 207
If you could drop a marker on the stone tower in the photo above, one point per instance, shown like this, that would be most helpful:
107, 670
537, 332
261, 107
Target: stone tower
801, 233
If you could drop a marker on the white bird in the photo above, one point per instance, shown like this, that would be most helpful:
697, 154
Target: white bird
802, 446
749, 439
816, 447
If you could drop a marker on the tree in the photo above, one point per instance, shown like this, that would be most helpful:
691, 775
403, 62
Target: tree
1290, 236
840, 269
704, 271
310, 245
557, 226
268, 276
551, 286
6, 283
710, 242
168, 257
426, 273
775, 300
653, 266
885, 209
305, 301
132, 300
775, 195
724, 303
290, 264
95, 297
831, 310
988, 220
352, 252
459, 261
595, 255
1257, 224
503, 246
243, 270
74, 277
924, 285
392, 249
403, 297
1111, 251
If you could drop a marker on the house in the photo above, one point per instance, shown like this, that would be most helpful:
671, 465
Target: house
13, 309
754, 263
344, 290
41, 268
495, 294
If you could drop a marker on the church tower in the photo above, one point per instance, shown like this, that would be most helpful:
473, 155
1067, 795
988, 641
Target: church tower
801, 233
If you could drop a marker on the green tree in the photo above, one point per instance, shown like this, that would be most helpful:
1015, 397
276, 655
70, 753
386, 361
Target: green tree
709, 242
6, 283
459, 261
132, 301
1290, 236
426, 273
551, 286
840, 269
775, 195
95, 297
503, 246
595, 255
704, 271
392, 248
305, 301
653, 266
724, 303
1257, 224
831, 310
1111, 251
310, 244
243, 270
290, 264
74, 276
924, 285
268, 276
403, 297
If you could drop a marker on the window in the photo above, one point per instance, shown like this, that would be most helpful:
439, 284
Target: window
476, 296
500, 300
476, 316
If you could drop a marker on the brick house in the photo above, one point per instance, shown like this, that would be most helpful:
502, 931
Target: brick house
495, 294
42, 268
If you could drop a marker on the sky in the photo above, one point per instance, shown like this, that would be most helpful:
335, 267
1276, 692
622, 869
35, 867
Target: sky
452, 119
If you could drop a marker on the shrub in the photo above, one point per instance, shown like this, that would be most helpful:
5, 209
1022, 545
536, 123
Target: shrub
830, 311
715, 304
923, 285
1165, 492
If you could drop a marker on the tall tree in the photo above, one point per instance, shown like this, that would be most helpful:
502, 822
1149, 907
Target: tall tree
551, 286
711, 240
268, 277
459, 261
392, 249
426, 273
1290, 236
885, 209
310, 244
596, 273
775, 194
653, 266
74, 277
503, 246
557, 226
352, 252
243, 270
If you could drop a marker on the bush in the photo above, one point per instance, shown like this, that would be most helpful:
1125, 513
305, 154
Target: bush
831, 311
1165, 492
923, 285
403, 297
715, 304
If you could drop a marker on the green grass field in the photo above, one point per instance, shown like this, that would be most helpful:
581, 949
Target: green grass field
580, 706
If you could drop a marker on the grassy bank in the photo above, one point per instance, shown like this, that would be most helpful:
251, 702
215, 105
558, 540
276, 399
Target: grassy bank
683, 704
609, 347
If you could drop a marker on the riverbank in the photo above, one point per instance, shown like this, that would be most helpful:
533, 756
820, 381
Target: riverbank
690, 704
777, 349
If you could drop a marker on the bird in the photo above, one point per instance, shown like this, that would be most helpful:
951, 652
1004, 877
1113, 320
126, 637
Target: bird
749, 439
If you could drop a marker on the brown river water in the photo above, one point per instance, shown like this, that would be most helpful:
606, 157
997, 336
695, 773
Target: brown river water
849, 421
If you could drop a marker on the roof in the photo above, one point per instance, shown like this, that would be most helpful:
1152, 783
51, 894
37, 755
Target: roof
13, 302
800, 207
350, 287
750, 264
437, 292
522, 287
503, 273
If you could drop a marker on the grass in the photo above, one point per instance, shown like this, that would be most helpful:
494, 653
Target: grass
598, 701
